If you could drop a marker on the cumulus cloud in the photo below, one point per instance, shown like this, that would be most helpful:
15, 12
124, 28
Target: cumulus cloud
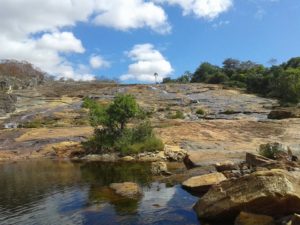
206, 9
35, 31
131, 14
97, 62
62, 42
147, 61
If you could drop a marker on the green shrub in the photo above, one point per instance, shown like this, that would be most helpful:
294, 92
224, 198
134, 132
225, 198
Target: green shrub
270, 150
200, 112
111, 132
229, 112
178, 115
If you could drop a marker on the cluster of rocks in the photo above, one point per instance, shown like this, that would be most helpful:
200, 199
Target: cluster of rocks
258, 191
170, 153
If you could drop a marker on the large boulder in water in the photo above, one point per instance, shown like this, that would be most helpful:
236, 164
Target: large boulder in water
250, 219
274, 193
203, 183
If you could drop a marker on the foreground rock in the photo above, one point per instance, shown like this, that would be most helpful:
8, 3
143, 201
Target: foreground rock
257, 162
103, 157
159, 168
254, 160
295, 220
127, 189
273, 193
202, 183
250, 219
190, 161
174, 153
226, 166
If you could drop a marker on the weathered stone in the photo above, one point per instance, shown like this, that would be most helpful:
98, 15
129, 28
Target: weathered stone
174, 153
295, 220
203, 183
253, 160
281, 114
225, 166
190, 162
127, 189
273, 193
66, 149
159, 168
232, 174
127, 158
103, 157
7, 103
250, 219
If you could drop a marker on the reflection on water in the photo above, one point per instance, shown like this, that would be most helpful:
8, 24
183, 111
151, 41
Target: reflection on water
52, 192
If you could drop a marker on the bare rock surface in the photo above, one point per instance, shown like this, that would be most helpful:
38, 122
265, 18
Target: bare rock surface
274, 193
245, 218
204, 182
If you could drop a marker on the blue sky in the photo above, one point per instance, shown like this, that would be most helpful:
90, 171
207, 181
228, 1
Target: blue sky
130, 40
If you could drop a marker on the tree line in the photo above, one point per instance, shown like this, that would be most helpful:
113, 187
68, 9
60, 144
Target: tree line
277, 81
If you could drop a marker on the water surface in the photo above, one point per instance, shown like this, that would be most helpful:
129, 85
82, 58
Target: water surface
60, 192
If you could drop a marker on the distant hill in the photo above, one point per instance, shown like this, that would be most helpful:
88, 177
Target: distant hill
19, 75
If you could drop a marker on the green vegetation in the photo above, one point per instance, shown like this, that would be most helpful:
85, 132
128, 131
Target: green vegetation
270, 150
178, 115
111, 133
185, 78
200, 112
229, 112
278, 81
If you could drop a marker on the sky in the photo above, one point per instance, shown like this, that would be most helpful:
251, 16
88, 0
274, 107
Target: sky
130, 40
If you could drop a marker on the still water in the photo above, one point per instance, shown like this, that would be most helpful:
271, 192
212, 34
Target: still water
46, 192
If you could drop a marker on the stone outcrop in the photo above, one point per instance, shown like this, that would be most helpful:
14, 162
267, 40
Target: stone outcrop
7, 103
66, 149
103, 157
295, 220
201, 184
127, 158
250, 219
174, 153
127, 189
282, 114
159, 168
226, 166
274, 193
190, 162
284, 161
254, 160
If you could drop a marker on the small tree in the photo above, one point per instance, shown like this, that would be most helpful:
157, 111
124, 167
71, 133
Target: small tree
121, 111
110, 127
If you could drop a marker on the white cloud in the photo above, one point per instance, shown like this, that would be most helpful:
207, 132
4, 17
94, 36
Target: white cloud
147, 61
62, 42
131, 14
97, 62
34, 31
206, 9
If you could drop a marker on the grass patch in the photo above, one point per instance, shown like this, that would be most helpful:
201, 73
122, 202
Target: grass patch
270, 150
178, 115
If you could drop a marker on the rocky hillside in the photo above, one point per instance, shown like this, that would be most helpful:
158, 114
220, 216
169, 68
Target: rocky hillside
17, 75
211, 122
14, 76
